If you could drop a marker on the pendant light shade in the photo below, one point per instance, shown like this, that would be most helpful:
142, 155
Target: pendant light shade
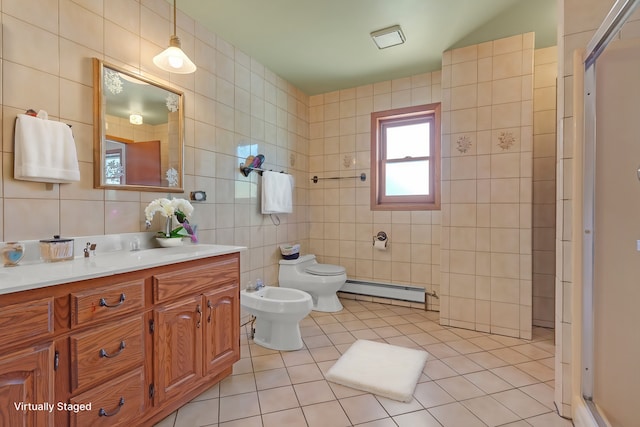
173, 59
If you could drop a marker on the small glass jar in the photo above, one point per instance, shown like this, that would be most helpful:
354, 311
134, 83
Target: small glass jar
12, 253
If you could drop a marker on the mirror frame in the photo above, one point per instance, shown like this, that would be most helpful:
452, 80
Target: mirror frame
100, 136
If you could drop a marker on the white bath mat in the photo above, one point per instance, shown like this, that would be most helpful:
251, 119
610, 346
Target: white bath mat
383, 369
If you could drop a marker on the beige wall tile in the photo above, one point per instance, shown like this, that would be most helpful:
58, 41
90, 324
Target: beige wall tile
505, 165
462, 309
463, 238
505, 290
508, 44
505, 190
505, 240
504, 316
25, 87
463, 191
506, 115
464, 73
33, 224
507, 90
41, 52
507, 65
464, 97
463, 120
43, 14
463, 262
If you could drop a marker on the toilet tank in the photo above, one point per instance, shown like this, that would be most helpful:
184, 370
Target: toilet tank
299, 264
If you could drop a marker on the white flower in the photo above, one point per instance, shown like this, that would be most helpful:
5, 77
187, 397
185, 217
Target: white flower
163, 206
183, 206
167, 208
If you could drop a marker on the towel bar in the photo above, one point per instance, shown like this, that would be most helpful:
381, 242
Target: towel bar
362, 176
247, 170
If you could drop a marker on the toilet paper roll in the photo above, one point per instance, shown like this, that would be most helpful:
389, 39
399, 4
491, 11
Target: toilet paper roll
380, 245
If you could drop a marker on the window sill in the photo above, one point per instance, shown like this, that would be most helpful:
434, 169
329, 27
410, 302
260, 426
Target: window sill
406, 207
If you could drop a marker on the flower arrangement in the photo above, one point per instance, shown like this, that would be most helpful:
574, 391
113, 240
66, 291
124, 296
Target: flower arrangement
168, 208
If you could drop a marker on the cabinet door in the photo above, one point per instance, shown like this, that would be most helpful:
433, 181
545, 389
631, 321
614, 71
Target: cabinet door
26, 380
221, 334
178, 347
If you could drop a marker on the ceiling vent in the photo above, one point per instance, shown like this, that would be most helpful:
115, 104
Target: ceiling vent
388, 37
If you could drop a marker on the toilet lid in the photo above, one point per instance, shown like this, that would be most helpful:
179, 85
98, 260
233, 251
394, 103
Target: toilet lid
325, 270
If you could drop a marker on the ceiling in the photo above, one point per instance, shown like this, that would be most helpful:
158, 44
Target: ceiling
324, 45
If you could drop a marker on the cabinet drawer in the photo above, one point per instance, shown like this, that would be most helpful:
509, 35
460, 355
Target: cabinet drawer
107, 301
24, 321
102, 352
195, 279
114, 403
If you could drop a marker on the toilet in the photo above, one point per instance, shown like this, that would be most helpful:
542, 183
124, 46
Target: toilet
321, 281
278, 312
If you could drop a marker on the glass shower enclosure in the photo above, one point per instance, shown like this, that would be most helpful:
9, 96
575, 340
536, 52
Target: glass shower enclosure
610, 230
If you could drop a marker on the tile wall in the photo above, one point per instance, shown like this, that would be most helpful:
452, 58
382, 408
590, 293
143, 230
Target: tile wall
341, 223
234, 107
487, 148
544, 185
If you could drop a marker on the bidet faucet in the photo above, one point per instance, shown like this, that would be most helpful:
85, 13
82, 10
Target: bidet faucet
259, 284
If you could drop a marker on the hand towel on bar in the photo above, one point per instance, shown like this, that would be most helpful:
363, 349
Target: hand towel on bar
44, 151
277, 192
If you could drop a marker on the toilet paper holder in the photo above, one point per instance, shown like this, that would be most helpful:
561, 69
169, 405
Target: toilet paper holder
381, 236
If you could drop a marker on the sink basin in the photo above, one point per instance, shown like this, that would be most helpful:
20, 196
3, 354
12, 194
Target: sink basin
163, 252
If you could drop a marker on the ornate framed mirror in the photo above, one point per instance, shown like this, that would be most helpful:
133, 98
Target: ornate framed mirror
138, 131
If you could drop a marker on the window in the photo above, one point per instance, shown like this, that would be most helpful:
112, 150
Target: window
405, 158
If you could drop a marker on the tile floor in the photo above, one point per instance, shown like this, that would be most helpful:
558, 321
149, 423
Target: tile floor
470, 379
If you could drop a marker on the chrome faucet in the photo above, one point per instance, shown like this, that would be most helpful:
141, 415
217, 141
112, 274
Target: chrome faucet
134, 244
90, 247
259, 284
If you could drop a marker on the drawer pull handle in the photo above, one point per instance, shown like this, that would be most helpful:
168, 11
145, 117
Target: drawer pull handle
103, 302
199, 311
103, 413
103, 352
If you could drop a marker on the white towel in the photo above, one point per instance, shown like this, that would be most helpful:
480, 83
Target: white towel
44, 151
277, 192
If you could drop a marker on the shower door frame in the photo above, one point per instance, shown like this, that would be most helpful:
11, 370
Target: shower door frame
608, 30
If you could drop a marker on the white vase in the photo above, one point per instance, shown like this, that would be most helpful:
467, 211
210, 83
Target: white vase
169, 242
168, 225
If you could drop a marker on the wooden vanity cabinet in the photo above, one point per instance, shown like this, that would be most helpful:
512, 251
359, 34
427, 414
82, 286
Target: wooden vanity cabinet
196, 337
136, 346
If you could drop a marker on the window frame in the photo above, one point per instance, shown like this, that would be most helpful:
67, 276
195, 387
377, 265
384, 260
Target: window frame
382, 120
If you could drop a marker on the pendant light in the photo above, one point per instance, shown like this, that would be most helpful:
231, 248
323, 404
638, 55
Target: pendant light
173, 59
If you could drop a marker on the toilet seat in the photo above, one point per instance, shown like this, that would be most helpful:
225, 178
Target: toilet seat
325, 270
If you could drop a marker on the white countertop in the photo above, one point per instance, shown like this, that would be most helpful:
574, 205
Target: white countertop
35, 275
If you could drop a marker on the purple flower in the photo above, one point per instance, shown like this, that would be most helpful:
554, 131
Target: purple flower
190, 230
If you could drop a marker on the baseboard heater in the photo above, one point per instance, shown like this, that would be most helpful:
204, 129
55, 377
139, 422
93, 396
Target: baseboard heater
384, 290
